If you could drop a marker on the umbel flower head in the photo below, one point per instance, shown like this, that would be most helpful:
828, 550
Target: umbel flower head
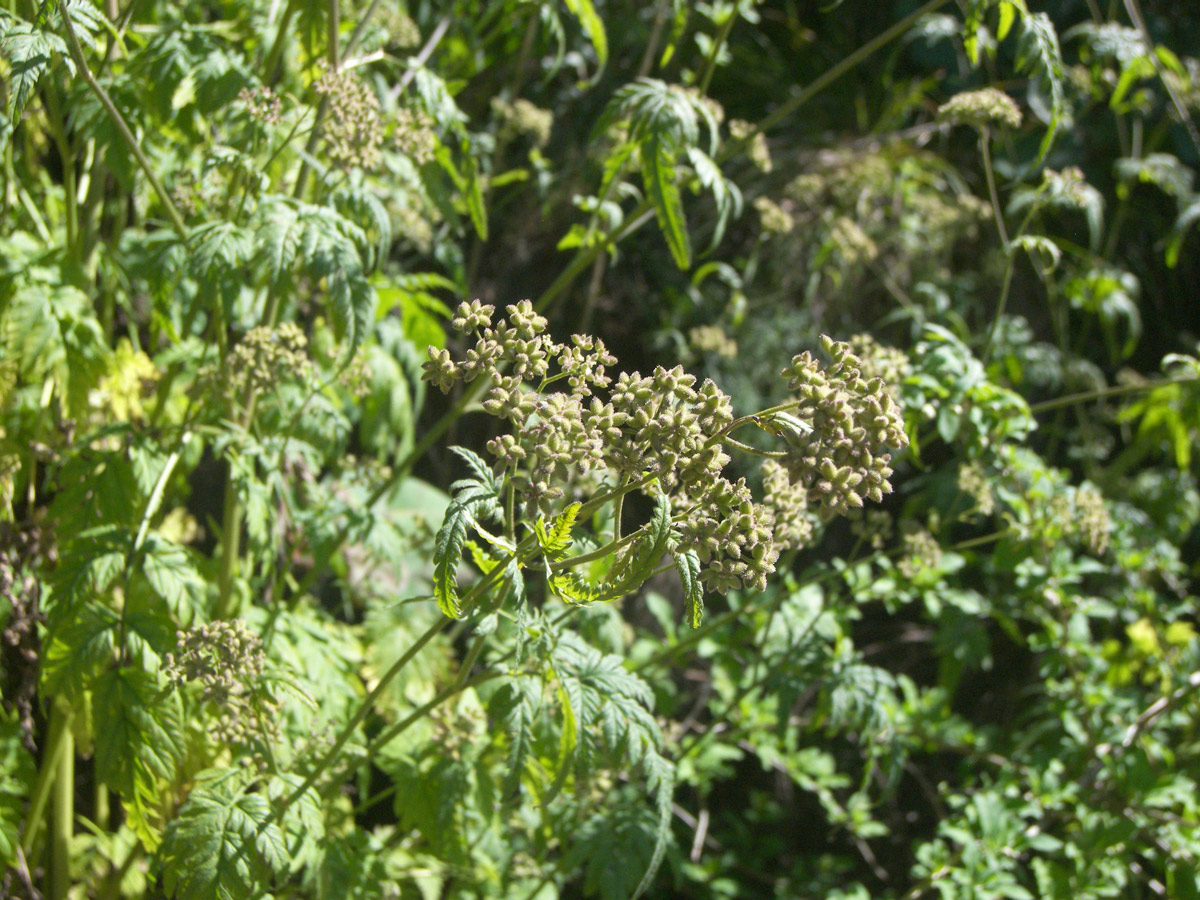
980, 109
666, 432
353, 129
227, 661
841, 457
263, 359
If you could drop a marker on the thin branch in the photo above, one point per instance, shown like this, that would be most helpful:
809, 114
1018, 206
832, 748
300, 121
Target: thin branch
177, 221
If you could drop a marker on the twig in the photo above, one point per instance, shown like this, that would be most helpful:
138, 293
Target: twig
123, 129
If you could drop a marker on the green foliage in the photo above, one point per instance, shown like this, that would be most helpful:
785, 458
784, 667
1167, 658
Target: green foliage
18, 773
222, 843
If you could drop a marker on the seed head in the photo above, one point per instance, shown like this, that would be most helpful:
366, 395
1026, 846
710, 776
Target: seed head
981, 108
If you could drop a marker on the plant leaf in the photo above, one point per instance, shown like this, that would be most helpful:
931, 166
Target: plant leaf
221, 845
658, 175
687, 564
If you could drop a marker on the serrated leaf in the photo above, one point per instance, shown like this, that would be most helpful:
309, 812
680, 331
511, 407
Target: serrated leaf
222, 845
303, 823
1044, 253
658, 176
1163, 170
278, 238
28, 52
80, 642
633, 568
517, 703
90, 565
726, 196
172, 573
1039, 54
478, 466
687, 564
447, 554
593, 27
555, 539
139, 729
217, 249
331, 248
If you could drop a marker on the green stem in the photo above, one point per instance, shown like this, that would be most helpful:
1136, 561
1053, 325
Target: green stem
112, 885
990, 173
599, 553
332, 35
754, 451
722, 36
57, 742
656, 30
360, 714
1105, 393
64, 820
231, 538
122, 128
55, 119
1009, 266
276, 52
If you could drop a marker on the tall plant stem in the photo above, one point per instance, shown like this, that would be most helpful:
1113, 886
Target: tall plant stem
519, 554
722, 36
1010, 257
656, 30
231, 529
1104, 394
64, 820
271, 63
1009, 265
334, 24
58, 741
989, 172
122, 128
66, 153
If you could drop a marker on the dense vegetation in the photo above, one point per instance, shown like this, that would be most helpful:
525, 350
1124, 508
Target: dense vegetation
345, 553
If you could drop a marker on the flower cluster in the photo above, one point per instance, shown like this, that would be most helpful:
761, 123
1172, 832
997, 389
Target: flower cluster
402, 30
413, 134
852, 245
1091, 519
711, 339
227, 660
840, 458
756, 149
665, 428
522, 119
773, 217
973, 482
353, 128
980, 109
262, 103
876, 360
921, 552
264, 357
